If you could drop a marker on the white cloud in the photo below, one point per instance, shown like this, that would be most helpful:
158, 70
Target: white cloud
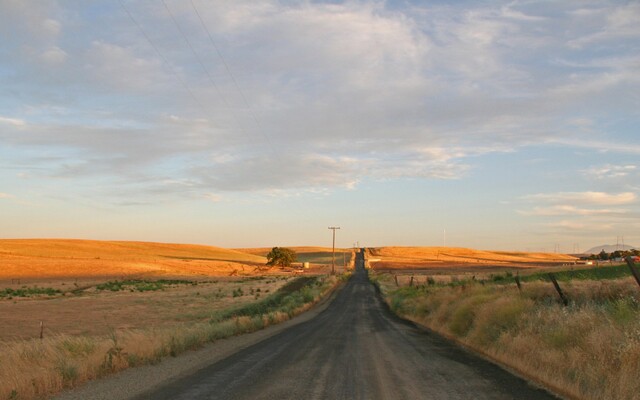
572, 210
51, 27
12, 121
121, 68
54, 55
215, 198
330, 94
620, 21
609, 171
581, 226
597, 145
596, 198
5, 196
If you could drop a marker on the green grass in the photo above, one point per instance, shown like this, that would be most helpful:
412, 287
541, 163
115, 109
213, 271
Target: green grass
28, 292
286, 299
595, 273
563, 275
142, 285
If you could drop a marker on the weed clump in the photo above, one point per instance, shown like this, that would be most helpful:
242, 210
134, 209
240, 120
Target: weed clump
28, 292
142, 285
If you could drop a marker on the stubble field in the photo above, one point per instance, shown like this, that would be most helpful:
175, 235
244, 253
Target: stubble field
74, 310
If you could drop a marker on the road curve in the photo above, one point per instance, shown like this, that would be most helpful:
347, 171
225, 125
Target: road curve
355, 349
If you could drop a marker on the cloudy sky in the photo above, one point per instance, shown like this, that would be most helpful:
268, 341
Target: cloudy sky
509, 125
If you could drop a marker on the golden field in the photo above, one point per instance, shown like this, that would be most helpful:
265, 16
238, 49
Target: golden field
464, 260
58, 258
108, 305
76, 268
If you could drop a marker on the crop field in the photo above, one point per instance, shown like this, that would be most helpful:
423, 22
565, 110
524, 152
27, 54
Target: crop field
455, 260
40, 260
74, 310
121, 305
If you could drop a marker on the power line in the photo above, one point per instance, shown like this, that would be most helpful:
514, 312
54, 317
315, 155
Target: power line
163, 58
333, 258
233, 78
206, 70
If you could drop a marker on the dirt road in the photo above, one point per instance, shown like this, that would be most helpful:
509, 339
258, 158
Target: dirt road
355, 349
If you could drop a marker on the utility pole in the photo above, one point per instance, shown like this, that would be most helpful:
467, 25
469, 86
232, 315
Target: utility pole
333, 258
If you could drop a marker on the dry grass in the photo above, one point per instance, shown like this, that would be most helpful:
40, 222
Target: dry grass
455, 257
92, 312
90, 332
59, 258
589, 350
34, 369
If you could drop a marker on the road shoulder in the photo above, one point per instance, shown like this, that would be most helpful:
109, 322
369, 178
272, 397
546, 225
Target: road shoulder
133, 382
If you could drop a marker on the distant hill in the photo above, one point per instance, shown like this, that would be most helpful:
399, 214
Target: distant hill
40, 258
608, 248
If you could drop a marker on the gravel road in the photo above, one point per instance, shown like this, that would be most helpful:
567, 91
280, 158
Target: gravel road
354, 349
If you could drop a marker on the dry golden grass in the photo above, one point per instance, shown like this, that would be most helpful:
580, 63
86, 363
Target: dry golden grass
457, 257
589, 350
89, 333
57, 258
36, 369
92, 312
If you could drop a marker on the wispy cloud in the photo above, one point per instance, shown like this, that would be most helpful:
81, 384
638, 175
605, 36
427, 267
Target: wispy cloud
596, 198
580, 226
320, 95
609, 171
572, 210
5, 196
12, 121
215, 198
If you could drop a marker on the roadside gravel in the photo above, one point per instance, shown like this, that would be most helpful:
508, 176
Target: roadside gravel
132, 382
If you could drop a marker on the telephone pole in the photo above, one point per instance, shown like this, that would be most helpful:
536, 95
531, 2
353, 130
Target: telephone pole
333, 258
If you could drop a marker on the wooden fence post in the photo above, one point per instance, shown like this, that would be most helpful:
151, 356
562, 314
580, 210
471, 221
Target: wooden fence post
517, 279
411, 281
395, 277
632, 267
555, 284
41, 330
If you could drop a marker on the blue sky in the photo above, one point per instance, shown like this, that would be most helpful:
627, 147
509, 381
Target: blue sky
511, 125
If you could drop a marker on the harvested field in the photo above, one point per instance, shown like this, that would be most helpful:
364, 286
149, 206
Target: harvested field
38, 259
461, 260
95, 312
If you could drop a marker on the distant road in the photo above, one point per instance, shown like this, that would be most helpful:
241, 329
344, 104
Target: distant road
355, 349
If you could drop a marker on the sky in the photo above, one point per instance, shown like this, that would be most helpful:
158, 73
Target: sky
507, 125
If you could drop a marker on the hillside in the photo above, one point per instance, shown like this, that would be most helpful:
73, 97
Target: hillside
68, 257
418, 257
608, 248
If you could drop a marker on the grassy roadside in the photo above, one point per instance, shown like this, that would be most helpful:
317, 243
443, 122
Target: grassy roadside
33, 369
588, 350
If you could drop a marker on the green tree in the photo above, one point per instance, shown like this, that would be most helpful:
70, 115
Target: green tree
603, 255
281, 256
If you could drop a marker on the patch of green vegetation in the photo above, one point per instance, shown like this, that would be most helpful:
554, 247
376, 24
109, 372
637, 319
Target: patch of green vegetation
286, 299
507, 276
595, 273
28, 292
142, 285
